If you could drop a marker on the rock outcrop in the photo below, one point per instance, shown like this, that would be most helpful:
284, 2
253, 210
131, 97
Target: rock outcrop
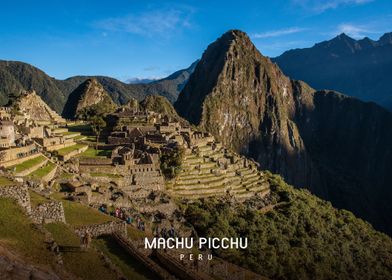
88, 96
35, 108
159, 104
337, 146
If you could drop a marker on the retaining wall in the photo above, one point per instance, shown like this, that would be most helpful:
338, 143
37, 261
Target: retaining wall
48, 212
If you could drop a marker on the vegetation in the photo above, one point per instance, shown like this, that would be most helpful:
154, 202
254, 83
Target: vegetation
171, 161
97, 124
85, 264
37, 199
131, 268
303, 238
27, 164
44, 170
17, 232
67, 150
4, 181
77, 214
91, 153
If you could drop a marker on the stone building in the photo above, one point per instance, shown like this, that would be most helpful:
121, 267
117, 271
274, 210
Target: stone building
7, 133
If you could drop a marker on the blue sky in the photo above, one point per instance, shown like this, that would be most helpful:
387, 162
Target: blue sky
151, 39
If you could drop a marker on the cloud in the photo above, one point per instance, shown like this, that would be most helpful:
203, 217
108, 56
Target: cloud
142, 80
161, 22
355, 31
319, 6
277, 33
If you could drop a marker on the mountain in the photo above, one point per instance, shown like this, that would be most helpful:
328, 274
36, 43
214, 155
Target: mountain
336, 146
89, 95
160, 105
359, 68
17, 77
302, 237
31, 104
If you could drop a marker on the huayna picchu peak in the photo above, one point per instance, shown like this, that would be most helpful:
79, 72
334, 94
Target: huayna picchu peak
334, 145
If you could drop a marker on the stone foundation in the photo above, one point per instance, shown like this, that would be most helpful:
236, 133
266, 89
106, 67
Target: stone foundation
49, 212
108, 228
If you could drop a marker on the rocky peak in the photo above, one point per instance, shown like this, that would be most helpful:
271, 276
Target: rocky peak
87, 94
386, 39
246, 102
31, 104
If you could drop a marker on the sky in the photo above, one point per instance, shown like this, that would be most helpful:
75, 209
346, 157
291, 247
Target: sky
151, 39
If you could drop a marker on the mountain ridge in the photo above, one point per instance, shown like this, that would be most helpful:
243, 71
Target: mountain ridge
358, 68
312, 138
17, 77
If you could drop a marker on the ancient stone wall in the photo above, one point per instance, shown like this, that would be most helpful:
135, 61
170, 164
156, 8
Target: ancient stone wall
59, 146
48, 212
19, 193
95, 161
73, 153
13, 156
103, 229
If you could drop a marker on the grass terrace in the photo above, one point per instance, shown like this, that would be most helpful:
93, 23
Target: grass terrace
128, 265
37, 199
92, 153
77, 214
27, 164
16, 232
85, 264
80, 138
44, 170
82, 128
4, 181
67, 150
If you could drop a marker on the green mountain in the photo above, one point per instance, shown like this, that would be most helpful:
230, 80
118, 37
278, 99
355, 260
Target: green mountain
89, 96
334, 145
298, 237
16, 77
359, 68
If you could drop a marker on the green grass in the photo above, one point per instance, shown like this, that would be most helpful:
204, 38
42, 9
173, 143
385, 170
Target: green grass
91, 138
66, 175
134, 233
305, 236
44, 170
77, 214
80, 137
27, 164
92, 153
37, 199
67, 150
85, 264
131, 268
83, 128
70, 133
18, 234
4, 181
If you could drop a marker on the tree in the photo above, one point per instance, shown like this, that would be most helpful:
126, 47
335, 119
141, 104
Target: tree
97, 124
